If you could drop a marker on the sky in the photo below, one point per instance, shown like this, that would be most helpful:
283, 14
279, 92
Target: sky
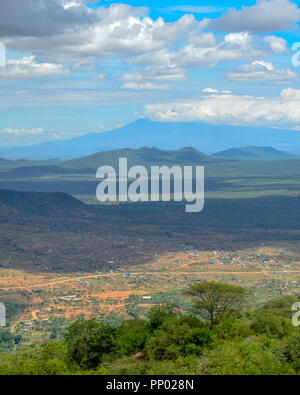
68, 67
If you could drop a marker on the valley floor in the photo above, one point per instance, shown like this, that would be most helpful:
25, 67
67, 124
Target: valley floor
130, 291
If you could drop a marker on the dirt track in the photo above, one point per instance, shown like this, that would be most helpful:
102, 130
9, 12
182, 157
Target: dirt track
64, 281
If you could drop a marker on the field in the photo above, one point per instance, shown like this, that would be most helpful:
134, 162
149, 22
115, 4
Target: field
116, 262
130, 291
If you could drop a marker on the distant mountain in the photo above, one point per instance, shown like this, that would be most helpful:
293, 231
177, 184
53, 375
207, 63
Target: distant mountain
255, 153
4, 160
6, 164
31, 171
168, 136
39, 171
143, 156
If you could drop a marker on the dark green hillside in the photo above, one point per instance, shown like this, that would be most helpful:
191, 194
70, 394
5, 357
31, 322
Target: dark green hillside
144, 156
37, 203
225, 177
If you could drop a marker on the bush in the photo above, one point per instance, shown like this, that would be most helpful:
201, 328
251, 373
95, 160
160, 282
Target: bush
132, 336
289, 351
196, 340
248, 343
159, 314
272, 325
7, 340
88, 342
43, 359
246, 358
230, 329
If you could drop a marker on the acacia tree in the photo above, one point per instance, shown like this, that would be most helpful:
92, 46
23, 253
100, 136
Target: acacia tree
212, 300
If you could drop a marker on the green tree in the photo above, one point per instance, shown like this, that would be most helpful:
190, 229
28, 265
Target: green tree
47, 358
242, 358
280, 306
7, 340
196, 339
274, 326
159, 314
213, 300
88, 342
132, 336
289, 350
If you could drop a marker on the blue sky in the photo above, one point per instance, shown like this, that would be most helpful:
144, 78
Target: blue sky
74, 67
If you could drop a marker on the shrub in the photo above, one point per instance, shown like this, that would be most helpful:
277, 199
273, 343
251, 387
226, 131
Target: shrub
88, 342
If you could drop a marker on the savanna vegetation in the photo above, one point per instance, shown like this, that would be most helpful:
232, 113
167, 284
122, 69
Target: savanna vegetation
224, 335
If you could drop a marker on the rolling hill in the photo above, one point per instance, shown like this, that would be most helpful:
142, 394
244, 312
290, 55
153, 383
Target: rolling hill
6, 164
167, 136
255, 153
143, 156
37, 203
39, 171
231, 163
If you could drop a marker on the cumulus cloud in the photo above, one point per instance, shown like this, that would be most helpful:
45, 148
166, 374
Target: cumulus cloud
233, 109
117, 30
290, 94
27, 68
232, 47
264, 16
160, 52
146, 86
79, 35
277, 44
261, 70
41, 18
18, 132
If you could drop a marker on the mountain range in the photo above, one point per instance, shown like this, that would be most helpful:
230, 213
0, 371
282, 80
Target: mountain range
255, 153
147, 156
167, 136
77, 176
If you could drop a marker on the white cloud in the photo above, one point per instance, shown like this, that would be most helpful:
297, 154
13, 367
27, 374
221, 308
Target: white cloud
18, 132
117, 30
213, 90
155, 73
290, 94
233, 47
261, 70
84, 66
233, 110
146, 86
28, 68
204, 40
277, 44
41, 18
99, 77
124, 31
264, 16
